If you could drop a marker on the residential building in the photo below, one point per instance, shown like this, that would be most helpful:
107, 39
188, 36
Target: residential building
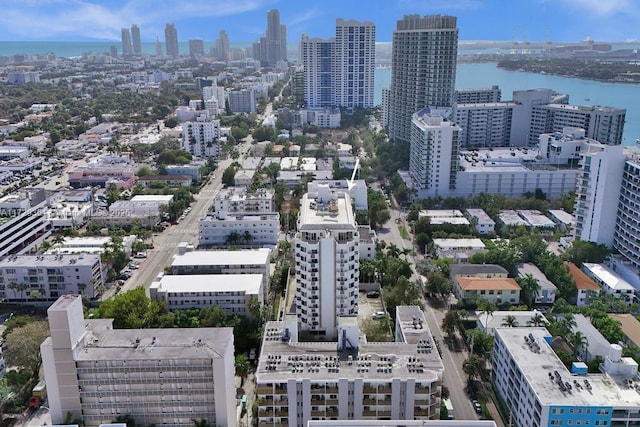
23, 222
191, 169
486, 271
327, 261
459, 250
231, 292
547, 293
526, 100
477, 96
609, 281
222, 46
594, 345
484, 125
242, 100
350, 379
354, 63
89, 245
357, 190
564, 221
538, 390
317, 58
496, 290
46, 277
630, 327
488, 322
321, 117
242, 229
135, 40
121, 176
21, 78
423, 69
166, 180
433, 155
604, 124
200, 137
240, 200
196, 47
625, 227
156, 376
481, 220
244, 178
401, 423
444, 216
276, 39
587, 288
171, 40
127, 45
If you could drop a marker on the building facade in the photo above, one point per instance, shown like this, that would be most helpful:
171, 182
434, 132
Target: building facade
354, 63
477, 96
200, 137
423, 69
23, 222
244, 230
626, 234
47, 277
135, 39
157, 376
171, 40
484, 125
433, 153
297, 382
327, 261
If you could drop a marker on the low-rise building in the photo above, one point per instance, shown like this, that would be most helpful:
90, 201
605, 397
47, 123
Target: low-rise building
122, 177
144, 208
478, 270
482, 221
47, 277
240, 200
488, 322
165, 180
244, 230
587, 288
630, 327
595, 345
191, 169
89, 245
231, 292
459, 250
495, 290
538, 390
244, 178
563, 220
444, 216
23, 222
351, 379
547, 293
156, 376
609, 281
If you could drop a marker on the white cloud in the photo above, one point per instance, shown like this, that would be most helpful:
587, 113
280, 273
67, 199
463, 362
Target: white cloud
602, 7
304, 17
46, 19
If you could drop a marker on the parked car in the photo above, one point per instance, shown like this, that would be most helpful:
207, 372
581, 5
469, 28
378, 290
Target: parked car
476, 406
379, 315
373, 294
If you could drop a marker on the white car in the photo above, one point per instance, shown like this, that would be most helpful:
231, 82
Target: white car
379, 315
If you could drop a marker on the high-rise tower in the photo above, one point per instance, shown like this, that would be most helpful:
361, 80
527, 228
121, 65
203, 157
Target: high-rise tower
354, 63
317, 58
222, 46
423, 69
275, 44
135, 39
127, 48
171, 40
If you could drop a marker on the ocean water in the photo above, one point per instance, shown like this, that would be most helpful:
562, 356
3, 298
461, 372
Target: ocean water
581, 92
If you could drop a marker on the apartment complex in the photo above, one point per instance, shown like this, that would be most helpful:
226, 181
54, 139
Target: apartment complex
171, 40
157, 376
200, 137
626, 234
340, 71
297, 382
327, 261
477, 96
23, 222
433, 155
484, 124
423, 69
271, 48
47, 277
240, 200
539, 390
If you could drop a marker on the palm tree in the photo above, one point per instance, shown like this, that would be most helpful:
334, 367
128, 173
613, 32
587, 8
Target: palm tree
58, 240
530, 287
474, 367
537, 320
247, 236
579, 341
17, 287
510, 321
232, 239
45, 246
487, 307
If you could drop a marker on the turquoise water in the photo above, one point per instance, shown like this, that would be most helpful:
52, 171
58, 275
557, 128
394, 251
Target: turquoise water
581, 92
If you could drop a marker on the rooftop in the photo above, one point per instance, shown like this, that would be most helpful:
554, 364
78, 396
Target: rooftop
630, 326
152, 198
495, 319
608, 277
529, 268
459, 243
473, 269
247, 283
583, 282
510, 217
562, 216
538, 366
417, 358
33, 261
229, 258
483, 217
536, 219
481, 283
333, 213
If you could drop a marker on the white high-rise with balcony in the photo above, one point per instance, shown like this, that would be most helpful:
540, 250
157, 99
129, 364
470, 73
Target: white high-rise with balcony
327, 261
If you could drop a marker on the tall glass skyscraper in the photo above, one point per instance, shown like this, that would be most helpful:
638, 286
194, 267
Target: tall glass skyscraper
135, 39
423, 69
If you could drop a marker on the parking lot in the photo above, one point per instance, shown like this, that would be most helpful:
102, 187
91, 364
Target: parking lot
368, 306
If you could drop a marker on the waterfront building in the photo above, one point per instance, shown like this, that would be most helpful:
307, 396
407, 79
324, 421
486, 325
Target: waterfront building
156, 376
484, 124
196, 47
317, 59
354, 63
127, 45
135, 39
423, 69
492, 94
222, 46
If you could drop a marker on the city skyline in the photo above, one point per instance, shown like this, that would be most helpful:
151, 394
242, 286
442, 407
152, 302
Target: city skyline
102, 20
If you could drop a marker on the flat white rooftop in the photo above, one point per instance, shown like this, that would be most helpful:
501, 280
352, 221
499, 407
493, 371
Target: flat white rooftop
483, 217
459, 243
607, 276
334, 213
562, 216
224, 258
536, 219
605, 390
247, 283
152, 198
509, 217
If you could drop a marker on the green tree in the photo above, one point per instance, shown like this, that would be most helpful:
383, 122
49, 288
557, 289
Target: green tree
509, 321
22, 347
242, 366
487, 307
228, 176
582, 251
132, 309
529, 289
474, 367
537, 320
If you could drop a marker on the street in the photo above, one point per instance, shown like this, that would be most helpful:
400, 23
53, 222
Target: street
454, 378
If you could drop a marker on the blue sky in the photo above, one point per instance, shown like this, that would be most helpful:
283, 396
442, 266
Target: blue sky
245, 20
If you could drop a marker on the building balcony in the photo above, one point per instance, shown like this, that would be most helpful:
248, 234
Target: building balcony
421, 412
262, 389
369, 413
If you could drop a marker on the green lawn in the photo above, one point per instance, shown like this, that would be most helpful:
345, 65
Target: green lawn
403, 232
